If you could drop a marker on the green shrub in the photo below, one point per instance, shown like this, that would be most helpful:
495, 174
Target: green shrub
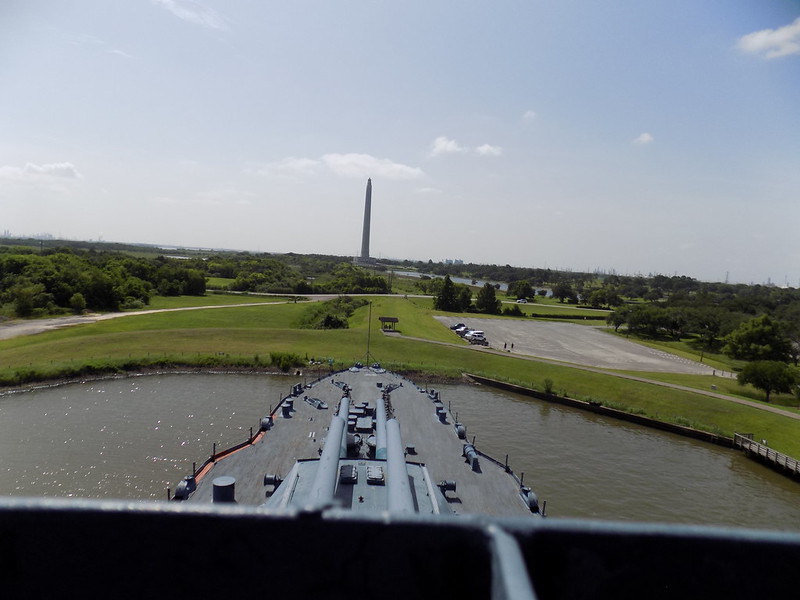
285, 360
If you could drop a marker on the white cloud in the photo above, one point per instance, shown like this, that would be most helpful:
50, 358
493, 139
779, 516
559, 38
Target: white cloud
291, 167
364, 165
643, 139
772, 43
33, 171
347, 165
122, 53
529, 115
63, 169
488, 150
192, 12
442, 145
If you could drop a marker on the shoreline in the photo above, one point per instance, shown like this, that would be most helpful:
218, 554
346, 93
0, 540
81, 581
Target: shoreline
427, 380
667, 427
232, 370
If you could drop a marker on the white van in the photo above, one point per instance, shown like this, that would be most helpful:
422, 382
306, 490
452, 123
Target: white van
475, 333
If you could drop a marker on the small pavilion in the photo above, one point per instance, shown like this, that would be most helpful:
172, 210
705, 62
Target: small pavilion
388, 323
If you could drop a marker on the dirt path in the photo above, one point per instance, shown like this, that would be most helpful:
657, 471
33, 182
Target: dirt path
14, 329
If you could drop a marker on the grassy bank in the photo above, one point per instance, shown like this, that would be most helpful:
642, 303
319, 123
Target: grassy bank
247, 337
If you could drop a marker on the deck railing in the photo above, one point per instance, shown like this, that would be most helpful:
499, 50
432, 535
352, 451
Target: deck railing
746, 442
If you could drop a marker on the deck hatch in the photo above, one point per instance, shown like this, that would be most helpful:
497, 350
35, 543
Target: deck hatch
348, 474
375, 475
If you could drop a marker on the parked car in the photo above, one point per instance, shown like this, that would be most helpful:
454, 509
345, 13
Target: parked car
456, 326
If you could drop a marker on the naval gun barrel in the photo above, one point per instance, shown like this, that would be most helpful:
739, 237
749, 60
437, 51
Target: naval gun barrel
380, 428
324, 486
344, 411
399, 490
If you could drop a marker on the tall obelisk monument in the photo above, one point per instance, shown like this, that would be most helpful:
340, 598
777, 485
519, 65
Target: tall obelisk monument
365, 235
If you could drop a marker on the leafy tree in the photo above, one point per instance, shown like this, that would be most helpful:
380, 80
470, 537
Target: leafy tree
447, 298
487, 301
463, 297
348, 278
520, 289
789, 316
648, 319
761, 338
618, 318
194, 282
676, 321
78, 303
564, 291
769, 376
612, 297
707, 322
597, 298
24, 297
331, 314
653, 295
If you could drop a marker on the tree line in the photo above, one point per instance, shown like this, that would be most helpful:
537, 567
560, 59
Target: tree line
759, 325
60, 280
56, 280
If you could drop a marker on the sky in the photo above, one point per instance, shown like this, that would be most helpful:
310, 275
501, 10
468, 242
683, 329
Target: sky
658, 137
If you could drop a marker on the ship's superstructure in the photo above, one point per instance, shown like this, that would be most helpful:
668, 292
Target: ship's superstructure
355, 456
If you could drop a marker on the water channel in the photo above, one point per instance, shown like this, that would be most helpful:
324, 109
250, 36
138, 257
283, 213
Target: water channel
133, 438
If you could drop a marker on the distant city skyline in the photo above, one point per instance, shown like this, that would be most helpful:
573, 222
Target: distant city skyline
446, 261
656, 137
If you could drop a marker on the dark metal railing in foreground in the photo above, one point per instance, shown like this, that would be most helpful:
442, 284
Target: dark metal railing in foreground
212, 550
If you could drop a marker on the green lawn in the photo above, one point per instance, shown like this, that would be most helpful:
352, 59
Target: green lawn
247, 332
564, 312
220, 283
685, 348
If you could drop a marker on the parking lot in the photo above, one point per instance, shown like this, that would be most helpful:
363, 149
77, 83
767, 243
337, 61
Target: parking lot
577, 344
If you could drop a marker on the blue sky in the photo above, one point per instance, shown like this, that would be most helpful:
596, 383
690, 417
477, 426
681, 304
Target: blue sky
640, 137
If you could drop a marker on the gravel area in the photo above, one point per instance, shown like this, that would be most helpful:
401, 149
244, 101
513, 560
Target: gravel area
577, 344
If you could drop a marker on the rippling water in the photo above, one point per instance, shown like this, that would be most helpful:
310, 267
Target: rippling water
133, 438
587, 465
125, 438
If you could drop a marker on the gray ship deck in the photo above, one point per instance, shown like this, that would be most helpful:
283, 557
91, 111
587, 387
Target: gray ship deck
487, 489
